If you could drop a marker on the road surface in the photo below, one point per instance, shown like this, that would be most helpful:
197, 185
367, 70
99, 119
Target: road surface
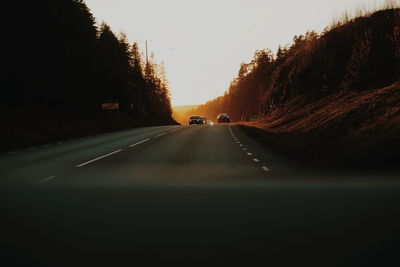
188, 194
183, 155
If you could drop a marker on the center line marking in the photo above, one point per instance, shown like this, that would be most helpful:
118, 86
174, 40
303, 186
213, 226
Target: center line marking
101, 157
230, 130
160, 135
176, 130
48, 178
265, 168
256, 160
138, 143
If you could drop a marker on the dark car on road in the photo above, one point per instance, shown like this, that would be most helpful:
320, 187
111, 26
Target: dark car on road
197, 120
223, 117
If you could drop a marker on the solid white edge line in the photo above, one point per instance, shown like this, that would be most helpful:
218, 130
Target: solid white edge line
256, 160
141, 142
265, 168
101, 157
48, 178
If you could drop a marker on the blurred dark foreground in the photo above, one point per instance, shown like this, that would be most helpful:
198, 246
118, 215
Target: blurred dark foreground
310, 223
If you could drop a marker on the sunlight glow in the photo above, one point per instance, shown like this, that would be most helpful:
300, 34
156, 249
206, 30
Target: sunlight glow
203, 42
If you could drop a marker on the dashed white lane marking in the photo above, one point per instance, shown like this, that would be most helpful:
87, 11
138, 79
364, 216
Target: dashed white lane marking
265, 168
230, 130
32, 148
46, 145
59, 143
141, 142
176, 129
161, 134
101, 157
47, 179
13, 152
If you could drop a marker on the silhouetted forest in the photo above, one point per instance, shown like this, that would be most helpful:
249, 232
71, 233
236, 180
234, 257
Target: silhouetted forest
61, 67
354, 56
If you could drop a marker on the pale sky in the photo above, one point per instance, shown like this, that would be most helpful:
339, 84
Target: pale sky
203, 42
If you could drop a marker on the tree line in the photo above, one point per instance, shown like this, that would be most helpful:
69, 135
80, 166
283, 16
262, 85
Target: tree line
61, 67
354, 55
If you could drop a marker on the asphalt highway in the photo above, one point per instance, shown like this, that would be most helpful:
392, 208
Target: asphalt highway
200, 194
